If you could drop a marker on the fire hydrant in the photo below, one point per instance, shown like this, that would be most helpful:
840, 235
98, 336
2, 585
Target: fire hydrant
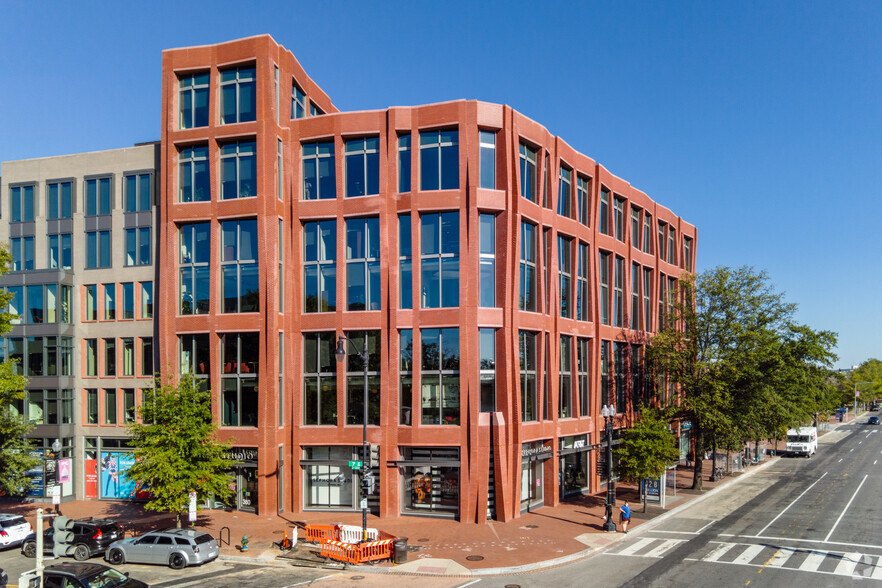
244, 542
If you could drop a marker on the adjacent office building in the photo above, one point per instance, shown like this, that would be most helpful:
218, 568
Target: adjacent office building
503, 285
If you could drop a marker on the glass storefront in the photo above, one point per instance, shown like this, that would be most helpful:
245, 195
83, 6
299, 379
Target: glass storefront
106, 462
574, 465
330, 483
243, 480
430, 480
533, 456
51, 469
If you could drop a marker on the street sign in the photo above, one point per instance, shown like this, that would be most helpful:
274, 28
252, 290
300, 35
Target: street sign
355, 464
191, 510
363, 503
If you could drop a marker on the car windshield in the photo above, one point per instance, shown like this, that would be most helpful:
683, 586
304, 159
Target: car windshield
204, 538
12, 522
798, 438
104, 579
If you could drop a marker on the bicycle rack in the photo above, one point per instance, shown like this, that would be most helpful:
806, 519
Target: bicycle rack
220, 539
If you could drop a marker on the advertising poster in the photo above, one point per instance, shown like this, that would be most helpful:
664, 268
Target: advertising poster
37, 476
114, 482
91, 478
64, 471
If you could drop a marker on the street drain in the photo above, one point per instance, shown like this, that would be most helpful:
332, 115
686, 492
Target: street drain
277, 532
475, 557
532, 526
512, 586
423, 539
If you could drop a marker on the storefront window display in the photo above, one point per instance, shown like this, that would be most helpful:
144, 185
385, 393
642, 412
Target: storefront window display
44, 474
328, 479
533, 456
431, 480
573, 465
243, 480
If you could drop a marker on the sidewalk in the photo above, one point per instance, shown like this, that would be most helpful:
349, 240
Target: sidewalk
547, 536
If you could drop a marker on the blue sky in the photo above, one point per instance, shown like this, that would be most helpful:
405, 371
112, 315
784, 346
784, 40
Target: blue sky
759, 122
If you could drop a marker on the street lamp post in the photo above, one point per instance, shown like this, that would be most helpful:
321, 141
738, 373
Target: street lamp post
609, 414
340, 353
56, 449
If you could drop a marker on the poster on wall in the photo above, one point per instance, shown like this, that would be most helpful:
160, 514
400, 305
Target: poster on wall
37, 475
64, 471
91, 478
114, 482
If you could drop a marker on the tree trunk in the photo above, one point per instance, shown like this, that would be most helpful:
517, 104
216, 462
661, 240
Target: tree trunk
699, 454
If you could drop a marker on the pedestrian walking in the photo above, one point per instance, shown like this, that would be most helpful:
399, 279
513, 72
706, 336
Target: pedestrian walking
625, 509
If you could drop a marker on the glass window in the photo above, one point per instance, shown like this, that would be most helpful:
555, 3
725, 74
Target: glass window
405, 376
582, 298
98, 250
281, 275
604, 287
487, 246
21, 203
298, 101
238, 170
51, 303
146, 300
193, 100
35, 358
618, 300
59, 250
91, 349
635, 297
369, 340
528, 172
196, 355
687, 254
193, 175
405, 260
138, 246
647, 296
635, 227
565, 192
237, 88
128, 301
362, 166
91, 304
662, 298
404, 163
15, 306
280, 170
319, 379
193, 262
58, 200
583, 199
582, 359
314, 110
527, 356
128, 357
672, 247
620, 373
439, 160
604, 373
603, 222
439, 259
319, 173
527, 298
139, 192
92, 406
98, 197
647, 233
109, 357
240, 286
487, 157
147, 356
22, 254
319, 266
109, 301
439, 375
565, 274
662, 228
109, 406
619, 206
487, 367
363, 263
239, 356
565, 378
128, 405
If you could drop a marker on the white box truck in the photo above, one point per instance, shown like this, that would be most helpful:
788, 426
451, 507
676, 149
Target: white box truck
802, 441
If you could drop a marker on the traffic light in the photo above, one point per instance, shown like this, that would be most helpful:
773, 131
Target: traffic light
63, 535
367, 484
374, 455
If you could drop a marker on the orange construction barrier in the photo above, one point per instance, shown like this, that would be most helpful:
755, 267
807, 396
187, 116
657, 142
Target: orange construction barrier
358, 553
321, 533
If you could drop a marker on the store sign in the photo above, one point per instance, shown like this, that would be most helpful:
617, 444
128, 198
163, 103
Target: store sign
241, 454
685, 425
537, 451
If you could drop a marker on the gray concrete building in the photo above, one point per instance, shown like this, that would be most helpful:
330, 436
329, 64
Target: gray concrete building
82, 230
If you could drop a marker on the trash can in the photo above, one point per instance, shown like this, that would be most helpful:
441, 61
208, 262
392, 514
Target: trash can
400, 553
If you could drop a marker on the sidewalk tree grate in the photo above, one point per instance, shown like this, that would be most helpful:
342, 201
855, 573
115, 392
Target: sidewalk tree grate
532, 526
475, 557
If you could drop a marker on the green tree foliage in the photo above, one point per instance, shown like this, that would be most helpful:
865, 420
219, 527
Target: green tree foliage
176, 447
743, 366
866, 379
15, 459
646, 449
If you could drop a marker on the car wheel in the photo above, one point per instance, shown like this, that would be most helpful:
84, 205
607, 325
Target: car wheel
29, 549
116, 557
177, 561
81, 552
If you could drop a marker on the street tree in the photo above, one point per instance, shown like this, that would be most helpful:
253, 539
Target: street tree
865, 381
739, 361
177, 451
15, 457
646, 449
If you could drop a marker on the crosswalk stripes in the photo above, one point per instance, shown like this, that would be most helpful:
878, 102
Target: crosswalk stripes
838, 563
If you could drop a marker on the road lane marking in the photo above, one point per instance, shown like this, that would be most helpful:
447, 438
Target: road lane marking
469, 583
844, 510
664, 547
813, 561
808, 541
718, 551
780, 557
847, 564
701, 530
877, 571
850, 450
875, 461
860, 442
748, 554
635, 547
840, 460
791, 504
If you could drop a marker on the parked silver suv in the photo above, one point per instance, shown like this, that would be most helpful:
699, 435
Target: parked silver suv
176, 548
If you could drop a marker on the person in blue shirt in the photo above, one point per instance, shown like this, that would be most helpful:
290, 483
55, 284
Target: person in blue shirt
626, 516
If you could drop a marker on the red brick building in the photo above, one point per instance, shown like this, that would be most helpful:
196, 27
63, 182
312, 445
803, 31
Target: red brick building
504, 285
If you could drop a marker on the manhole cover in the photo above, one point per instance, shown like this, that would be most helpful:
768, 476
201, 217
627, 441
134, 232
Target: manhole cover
277, 532
532, 526
356, 577
423, 539
475, 557
512, 586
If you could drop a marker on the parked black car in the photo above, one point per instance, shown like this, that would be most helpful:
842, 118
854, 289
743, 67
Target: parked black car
873, 420
71, 574
91, 538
